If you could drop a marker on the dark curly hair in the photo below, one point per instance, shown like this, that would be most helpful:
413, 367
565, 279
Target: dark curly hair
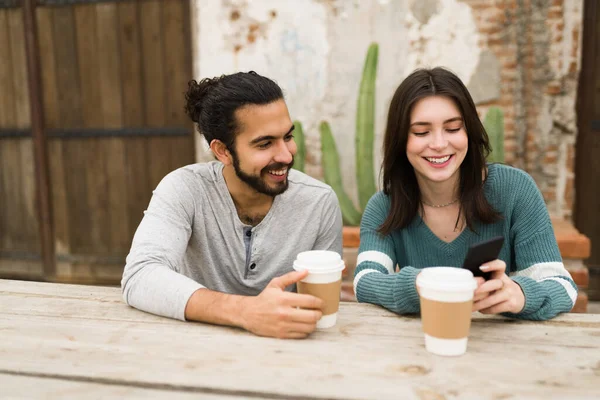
212, 102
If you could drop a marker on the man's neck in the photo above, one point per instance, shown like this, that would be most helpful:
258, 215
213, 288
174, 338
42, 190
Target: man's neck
251, 205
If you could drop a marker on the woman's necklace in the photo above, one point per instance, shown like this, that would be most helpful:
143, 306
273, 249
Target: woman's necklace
440, 205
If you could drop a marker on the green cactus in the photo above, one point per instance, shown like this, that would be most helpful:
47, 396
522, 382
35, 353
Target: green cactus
364, 139
365, 136
494, 126
300, 145
365, 128
331, 171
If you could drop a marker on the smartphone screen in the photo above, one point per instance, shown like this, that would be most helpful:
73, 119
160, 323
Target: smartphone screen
483, 252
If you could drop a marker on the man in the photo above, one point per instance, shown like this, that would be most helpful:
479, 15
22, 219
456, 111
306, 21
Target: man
218, 240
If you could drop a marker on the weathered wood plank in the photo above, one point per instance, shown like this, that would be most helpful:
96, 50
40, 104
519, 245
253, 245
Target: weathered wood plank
6, 86
178, 65
72, 331
136, 166
52, 121
14, 237
38, 387
21, 269
28, 236
11, 159
28, 229
70, 107
97, 234
155, 95
6, 121
178, 71
19, 70
112, 106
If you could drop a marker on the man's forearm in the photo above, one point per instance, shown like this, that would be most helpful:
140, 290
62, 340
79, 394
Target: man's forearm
218, 308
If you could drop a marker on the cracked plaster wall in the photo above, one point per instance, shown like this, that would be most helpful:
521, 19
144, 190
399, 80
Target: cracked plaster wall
315, 50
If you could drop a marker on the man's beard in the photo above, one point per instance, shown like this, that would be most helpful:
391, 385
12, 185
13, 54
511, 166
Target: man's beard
257, 182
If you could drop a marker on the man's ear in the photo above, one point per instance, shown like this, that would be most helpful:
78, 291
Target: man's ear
221, 151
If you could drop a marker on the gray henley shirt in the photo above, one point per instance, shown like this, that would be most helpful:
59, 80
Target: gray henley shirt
191, 237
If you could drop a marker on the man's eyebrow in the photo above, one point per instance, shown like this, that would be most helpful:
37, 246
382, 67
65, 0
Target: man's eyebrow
269, 137
445, 122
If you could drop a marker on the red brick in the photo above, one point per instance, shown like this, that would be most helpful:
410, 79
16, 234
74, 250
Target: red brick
553, 89
581, 276
581, 303
571, 243
351, 236
569, 193
549, 195
347, 293
570, 157
573, 67
349, 254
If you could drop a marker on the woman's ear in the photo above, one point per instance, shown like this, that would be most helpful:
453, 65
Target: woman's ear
221, 151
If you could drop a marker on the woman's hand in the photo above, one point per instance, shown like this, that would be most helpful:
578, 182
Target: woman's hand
500, 293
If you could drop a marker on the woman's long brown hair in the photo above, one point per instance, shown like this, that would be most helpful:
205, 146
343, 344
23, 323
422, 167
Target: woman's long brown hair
399, 179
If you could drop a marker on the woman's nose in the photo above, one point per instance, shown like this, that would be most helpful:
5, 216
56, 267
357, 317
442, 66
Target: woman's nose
438, 141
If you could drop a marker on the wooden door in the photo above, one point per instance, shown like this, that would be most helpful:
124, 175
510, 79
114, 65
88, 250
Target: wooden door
19, 229
114, 76
587, 172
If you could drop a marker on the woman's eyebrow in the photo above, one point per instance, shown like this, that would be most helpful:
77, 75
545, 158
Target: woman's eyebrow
429, 123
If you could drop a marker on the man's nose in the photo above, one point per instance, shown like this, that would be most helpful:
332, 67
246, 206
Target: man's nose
284, 155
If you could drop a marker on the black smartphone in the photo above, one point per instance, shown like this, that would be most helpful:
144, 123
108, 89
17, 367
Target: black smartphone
483, 252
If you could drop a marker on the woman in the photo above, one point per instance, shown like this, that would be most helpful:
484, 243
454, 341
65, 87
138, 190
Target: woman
439, 197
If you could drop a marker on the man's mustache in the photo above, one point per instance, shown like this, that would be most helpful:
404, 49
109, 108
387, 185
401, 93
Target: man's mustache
276, 166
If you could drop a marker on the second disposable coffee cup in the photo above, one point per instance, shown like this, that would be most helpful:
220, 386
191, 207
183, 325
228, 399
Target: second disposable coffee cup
446, 305
324, 280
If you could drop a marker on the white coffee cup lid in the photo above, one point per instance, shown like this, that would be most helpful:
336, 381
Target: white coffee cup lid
446, 278
319, 261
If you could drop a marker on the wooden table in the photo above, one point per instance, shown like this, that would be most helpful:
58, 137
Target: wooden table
68, 341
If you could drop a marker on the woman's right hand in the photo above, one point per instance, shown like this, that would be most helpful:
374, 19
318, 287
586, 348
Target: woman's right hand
498, 294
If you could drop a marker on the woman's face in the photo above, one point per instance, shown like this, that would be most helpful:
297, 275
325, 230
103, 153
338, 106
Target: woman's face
437, 139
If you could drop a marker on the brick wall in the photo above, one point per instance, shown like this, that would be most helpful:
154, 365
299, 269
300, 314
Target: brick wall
537, 45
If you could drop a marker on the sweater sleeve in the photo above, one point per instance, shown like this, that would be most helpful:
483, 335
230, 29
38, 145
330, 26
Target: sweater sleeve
151, 281
546, 284
374, 278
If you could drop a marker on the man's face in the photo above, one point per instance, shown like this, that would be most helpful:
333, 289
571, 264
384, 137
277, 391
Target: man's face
264, 147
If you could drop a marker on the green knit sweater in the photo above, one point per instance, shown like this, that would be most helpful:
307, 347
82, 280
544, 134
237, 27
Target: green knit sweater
530, 250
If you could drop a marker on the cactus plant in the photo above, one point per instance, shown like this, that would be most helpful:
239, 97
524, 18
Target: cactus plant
331, 171
365, 128
494, 126
364, 138
300, 146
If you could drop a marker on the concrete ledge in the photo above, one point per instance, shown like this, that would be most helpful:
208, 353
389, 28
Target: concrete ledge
571, 242
578, 271
351, 236
581, 304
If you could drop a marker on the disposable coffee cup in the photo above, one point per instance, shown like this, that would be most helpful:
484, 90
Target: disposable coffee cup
446, 305
324, 280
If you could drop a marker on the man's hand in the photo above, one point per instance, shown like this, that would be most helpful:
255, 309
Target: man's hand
498, 294
281, 314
